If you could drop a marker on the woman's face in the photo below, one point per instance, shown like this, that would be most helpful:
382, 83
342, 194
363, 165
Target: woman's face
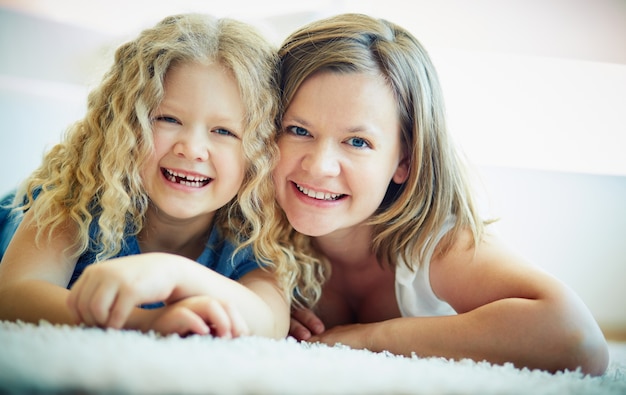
339, 149
197, 165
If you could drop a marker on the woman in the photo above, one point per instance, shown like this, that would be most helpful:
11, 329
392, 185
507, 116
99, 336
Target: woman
370, 180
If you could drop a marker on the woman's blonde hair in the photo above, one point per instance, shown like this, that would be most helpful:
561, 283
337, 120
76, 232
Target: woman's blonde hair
438, 185
94, 173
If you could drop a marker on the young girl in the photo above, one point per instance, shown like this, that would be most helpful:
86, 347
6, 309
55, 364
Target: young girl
171, 161
369, 178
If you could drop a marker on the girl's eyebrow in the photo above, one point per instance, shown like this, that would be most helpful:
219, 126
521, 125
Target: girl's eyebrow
165, 106
175, 108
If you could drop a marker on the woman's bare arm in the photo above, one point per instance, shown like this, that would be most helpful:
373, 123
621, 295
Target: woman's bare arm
508, 311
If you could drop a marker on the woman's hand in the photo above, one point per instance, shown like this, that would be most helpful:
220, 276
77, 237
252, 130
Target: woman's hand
357, 336
304, 323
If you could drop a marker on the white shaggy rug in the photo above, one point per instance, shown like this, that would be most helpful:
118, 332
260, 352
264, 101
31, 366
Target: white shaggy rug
47, 359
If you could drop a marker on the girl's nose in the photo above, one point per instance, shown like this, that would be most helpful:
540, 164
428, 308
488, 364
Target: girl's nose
193, 144
322, 161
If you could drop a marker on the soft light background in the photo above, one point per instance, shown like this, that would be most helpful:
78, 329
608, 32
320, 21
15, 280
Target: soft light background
535, 90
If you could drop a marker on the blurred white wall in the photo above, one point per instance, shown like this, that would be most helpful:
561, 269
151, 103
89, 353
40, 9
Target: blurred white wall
535, 90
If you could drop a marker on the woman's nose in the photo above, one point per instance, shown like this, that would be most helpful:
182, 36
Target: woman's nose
322, 161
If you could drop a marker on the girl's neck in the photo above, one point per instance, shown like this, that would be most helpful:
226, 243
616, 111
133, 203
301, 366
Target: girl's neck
349, 248
166, 234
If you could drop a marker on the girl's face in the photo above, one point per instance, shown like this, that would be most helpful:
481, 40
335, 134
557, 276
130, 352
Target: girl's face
197, 165
339, 149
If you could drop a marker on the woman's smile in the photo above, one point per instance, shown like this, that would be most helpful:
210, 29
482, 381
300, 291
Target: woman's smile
319, 195
339, 150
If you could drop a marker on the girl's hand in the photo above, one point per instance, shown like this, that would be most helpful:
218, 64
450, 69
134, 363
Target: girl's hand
201, 315
304, 324
106, 293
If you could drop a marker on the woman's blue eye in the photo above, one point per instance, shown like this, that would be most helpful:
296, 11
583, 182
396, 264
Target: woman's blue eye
358, 142
298, 131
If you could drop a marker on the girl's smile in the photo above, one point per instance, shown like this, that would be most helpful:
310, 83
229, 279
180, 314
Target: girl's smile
188, 180
198, 163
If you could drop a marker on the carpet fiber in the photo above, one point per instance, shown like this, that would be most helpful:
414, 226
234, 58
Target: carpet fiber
59, 359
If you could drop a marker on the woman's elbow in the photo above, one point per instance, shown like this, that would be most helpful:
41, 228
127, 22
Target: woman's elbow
586, 350
580, 342
595, 357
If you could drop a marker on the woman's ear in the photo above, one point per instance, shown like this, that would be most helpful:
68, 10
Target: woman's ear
402, 171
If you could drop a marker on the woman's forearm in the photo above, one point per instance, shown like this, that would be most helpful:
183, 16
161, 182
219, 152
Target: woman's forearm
528, 333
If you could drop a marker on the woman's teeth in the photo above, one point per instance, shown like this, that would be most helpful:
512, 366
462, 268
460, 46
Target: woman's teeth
318, 195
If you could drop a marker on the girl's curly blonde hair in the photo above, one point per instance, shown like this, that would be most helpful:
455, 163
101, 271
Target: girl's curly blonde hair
94, 173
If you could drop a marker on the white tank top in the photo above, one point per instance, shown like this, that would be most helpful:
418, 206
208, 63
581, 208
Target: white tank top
414, 293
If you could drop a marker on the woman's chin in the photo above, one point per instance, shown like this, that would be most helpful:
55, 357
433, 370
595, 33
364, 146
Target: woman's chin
311, 228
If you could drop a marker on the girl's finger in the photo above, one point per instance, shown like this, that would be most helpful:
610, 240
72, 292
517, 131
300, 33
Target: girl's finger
188, 322
239, 325
217, 318
100, 304
121, 306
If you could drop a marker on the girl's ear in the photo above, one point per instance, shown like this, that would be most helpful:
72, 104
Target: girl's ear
402, 171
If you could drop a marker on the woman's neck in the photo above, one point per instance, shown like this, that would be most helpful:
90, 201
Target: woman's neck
351, 248
359, 289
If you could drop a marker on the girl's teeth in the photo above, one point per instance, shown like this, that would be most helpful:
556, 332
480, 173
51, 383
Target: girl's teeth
190, 178
190, 181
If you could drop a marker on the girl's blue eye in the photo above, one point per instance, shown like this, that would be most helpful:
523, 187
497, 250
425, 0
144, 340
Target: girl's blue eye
358, 142
164, 118
224, 132
298, 131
